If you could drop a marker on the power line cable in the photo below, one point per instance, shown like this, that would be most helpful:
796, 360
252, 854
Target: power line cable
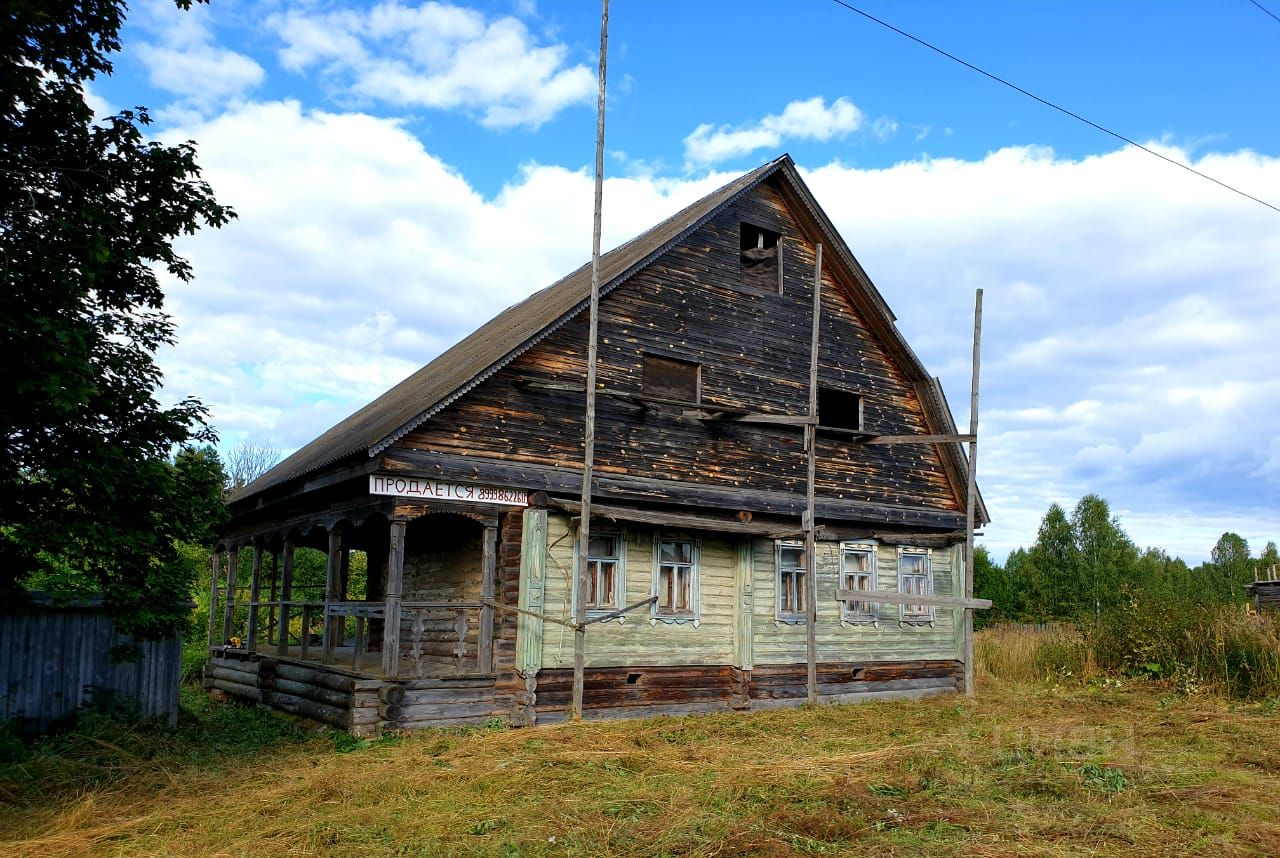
1265, 10
1056, 107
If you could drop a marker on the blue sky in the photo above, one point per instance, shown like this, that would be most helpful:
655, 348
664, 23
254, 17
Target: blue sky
403, 171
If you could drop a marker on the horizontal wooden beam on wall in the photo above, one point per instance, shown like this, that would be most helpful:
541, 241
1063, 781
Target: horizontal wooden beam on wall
889, 598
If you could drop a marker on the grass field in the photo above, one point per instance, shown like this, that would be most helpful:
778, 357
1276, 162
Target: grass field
1100, 767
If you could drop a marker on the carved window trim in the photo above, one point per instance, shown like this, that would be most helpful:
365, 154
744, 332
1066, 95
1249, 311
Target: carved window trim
918, 582
788, 580
856, 612
619, 575
693, 613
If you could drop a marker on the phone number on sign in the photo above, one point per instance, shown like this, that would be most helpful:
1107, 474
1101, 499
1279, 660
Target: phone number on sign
502, 495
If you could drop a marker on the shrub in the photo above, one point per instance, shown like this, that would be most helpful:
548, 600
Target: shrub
1191, 643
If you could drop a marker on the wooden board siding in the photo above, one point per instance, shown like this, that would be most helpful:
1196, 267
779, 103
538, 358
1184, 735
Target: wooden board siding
781, 643
54, 660
724, 601
753, 348
635, 641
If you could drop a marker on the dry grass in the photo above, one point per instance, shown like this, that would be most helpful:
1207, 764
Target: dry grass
1022, 654
1097, 769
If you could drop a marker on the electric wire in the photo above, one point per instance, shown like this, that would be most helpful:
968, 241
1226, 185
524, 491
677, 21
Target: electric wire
1054, 106
1265, 10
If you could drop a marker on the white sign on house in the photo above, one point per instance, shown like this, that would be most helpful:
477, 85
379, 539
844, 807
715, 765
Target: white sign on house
416, 487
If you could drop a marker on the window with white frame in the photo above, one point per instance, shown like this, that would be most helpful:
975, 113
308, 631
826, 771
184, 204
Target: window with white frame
915, 579
791, 565
604, 572
857, 575
676, 580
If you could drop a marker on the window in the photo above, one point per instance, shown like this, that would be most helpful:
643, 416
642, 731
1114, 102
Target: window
669, 378
761, 257
791, 567
914, 579
857, 575
839, 409
676, 581
604, 578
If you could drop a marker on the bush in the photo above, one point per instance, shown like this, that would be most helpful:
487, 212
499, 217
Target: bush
1191, 643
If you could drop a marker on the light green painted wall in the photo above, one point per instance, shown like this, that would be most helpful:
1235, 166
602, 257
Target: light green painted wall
777, 643
737, 584
636, 641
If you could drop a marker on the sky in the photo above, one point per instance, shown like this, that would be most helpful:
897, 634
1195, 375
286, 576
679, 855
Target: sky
402, 171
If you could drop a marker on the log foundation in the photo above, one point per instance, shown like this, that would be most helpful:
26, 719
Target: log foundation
366, 706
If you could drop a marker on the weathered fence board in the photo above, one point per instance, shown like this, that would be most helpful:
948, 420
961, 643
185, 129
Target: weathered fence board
56, 659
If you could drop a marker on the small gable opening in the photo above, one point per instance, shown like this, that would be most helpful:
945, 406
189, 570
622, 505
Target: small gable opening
671, 379
839, 409
761, 257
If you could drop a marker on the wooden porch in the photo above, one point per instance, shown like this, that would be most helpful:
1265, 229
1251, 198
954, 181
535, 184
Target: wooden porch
361, 703
452, 636
435, 639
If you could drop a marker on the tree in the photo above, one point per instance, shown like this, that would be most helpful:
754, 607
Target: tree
198, 486
1230, 566
247, 461
991, 582
1268, 564
1107, 556
89, 214
1056, 589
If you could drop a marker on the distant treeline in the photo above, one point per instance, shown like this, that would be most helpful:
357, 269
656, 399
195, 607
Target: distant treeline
1084, 566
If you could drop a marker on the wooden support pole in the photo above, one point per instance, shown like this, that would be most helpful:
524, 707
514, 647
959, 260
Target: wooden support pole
286, 594
215, 566
971, 495
808, 524
488, 588
255, 592
229, 603
589, 428
330, 628
272, 625
391, 617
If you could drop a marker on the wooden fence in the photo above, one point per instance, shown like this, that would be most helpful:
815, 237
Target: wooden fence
56, 659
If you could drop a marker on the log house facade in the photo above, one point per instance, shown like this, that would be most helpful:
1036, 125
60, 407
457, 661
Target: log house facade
460, 487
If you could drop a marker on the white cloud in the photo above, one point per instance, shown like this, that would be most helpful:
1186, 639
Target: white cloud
810, 119
884, 128
1129, 319
437, 56
183, 59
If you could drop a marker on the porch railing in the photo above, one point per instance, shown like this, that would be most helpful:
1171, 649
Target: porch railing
436, 635
436, 638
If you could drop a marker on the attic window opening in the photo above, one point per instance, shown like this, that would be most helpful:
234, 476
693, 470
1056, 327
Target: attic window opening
669, 378
839, 409
760, 257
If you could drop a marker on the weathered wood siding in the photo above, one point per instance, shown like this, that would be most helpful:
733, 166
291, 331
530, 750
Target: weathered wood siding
635, 641
442, 561
724, 603
753, 348
361, 705
888, 640
55, 660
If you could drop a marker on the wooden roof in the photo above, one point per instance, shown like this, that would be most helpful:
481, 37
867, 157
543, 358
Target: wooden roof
379, 424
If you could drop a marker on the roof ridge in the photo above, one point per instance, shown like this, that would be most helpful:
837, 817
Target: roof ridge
531, 325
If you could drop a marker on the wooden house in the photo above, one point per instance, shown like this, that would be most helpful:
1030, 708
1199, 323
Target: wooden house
460, 485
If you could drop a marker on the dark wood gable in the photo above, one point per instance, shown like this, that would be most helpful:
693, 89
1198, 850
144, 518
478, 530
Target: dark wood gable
694, 304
